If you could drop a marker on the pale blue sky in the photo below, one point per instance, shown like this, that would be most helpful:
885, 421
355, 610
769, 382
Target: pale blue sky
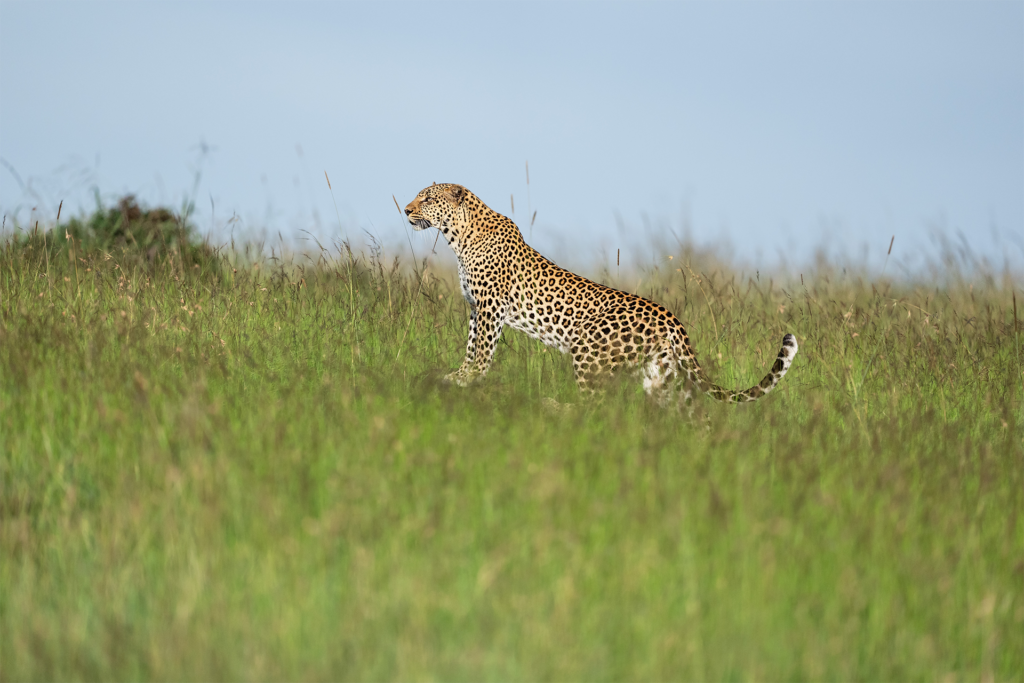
774, 126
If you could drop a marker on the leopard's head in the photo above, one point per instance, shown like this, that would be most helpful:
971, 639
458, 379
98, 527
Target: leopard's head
436, 206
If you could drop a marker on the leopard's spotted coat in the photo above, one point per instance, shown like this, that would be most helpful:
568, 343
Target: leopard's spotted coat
506, 282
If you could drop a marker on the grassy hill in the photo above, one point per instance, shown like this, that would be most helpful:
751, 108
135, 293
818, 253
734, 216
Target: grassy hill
222, 465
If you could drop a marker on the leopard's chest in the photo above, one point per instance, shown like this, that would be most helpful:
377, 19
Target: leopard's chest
466, 285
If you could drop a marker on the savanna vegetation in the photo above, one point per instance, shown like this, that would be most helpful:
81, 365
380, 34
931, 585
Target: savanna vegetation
233, 464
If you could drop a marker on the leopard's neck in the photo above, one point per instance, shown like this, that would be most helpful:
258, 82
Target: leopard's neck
479, 228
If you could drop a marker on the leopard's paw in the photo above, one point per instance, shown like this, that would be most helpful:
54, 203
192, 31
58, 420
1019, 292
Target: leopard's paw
459, 378
553, 407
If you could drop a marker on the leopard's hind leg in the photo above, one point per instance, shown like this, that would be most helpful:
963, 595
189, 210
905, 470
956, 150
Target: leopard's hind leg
621, 340
599, 348
668, 378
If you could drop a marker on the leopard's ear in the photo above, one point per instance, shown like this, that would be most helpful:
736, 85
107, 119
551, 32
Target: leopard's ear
433, 183
458, 193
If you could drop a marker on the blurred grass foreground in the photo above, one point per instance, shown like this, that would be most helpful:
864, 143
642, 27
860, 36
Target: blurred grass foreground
223, 465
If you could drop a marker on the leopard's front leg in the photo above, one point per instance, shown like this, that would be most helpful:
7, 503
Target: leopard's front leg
485, 324
462, 376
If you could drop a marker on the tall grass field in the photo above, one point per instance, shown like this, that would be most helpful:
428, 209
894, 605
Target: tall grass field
233, 464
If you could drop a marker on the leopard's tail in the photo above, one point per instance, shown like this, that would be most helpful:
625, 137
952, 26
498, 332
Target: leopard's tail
778, 371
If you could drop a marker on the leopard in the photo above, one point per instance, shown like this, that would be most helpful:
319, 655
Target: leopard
507, 283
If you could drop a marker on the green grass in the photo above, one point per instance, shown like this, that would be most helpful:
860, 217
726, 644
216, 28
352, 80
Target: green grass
244, 469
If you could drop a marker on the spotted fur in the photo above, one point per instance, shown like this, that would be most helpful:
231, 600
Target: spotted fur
506, 282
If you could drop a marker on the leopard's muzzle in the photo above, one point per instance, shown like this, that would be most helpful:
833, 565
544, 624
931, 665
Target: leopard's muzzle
419, 223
